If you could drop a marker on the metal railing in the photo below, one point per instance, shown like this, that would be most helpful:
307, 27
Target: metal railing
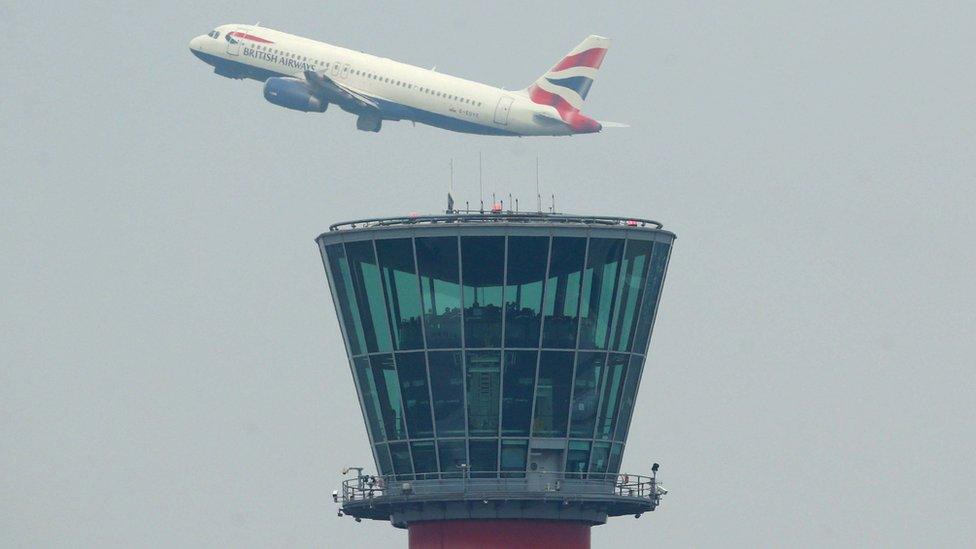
507, 216
494, 484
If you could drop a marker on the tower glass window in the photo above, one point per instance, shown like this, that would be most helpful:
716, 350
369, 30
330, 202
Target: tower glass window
424, 458
637, 255
401, 291
612, 386
369, 393
483, 264
369, 295
599, 289
517, 392
552, 394
578, 458
652, 288
437, 262
524, 281
452, 455
513, 454
346, 297
412, 369
561, 305
487, 347
448, 392
586, 393
483, 390
483, 454
384, 378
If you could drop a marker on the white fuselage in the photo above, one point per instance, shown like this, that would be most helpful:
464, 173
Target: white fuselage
401, 91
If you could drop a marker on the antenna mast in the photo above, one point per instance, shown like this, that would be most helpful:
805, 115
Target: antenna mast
481, 184
450, 191
538, 195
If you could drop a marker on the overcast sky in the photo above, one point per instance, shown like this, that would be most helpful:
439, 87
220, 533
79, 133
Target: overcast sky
171, 370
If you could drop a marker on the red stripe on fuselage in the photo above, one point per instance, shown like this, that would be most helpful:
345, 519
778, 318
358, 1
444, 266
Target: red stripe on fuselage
247, 36
592, 58
570, 115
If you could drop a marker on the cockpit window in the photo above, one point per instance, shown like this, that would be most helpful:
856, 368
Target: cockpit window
213, 34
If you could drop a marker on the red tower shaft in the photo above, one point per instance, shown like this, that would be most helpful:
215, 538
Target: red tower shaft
499, 534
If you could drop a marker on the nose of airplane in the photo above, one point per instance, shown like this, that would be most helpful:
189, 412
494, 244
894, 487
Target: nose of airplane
195, 44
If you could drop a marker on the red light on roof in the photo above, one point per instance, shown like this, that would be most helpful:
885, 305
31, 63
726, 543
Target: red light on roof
631, 223
413, 214
496, 208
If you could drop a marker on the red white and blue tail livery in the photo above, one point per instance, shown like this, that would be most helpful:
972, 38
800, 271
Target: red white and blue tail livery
567, 83
308, 76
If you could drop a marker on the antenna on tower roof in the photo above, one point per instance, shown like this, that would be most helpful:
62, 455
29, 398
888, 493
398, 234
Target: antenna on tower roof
538, 194
481, 184
450, 191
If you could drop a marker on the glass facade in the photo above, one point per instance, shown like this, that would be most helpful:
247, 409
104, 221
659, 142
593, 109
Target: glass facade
498, 353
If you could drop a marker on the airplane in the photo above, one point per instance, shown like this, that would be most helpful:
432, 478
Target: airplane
306, 75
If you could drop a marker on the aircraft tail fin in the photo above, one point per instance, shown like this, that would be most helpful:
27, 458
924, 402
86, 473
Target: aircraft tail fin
566, 85
570, 79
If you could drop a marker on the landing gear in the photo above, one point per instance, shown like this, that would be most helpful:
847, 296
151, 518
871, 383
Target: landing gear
369, 123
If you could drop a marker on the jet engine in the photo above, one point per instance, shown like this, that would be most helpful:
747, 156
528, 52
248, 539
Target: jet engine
293, 93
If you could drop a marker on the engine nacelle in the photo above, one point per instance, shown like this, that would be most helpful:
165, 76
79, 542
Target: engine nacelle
293, 93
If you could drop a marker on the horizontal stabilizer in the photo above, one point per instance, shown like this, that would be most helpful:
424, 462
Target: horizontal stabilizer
547, 118
614, 124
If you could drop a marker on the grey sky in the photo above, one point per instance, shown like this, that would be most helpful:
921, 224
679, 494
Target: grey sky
171, 372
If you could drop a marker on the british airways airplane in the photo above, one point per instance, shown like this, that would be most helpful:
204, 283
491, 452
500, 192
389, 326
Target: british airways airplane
305, 75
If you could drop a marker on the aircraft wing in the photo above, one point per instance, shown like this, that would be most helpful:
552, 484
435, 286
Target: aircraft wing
339, 93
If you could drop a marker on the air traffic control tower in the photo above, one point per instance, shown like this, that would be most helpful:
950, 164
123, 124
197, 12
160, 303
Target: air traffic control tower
497, 358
